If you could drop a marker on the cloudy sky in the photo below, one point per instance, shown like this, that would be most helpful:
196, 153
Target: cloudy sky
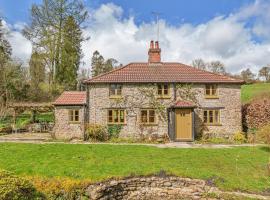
236, 32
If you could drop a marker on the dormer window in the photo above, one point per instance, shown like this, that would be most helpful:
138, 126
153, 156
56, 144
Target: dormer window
115, 90
211, 91
163, 90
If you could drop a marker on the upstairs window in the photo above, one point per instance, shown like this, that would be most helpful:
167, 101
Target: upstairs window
73, 116
148, 116
211, 117
115, 90
211, 91
163, 90
116, 116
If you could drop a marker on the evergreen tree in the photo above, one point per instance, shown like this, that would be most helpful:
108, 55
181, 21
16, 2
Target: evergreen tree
37, 74
97, 64
71, 54
46, 31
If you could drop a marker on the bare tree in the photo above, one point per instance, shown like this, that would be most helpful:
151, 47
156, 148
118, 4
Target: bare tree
216, 67
199, 64
265, 73
247, 75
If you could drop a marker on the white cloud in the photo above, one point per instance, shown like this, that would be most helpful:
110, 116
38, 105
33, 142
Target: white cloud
21, 47
226, 38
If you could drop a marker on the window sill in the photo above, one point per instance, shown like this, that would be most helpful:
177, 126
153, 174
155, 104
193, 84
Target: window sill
164, 97
111, 123
212, 124
211, 97
74, 122
116, 97
149, 124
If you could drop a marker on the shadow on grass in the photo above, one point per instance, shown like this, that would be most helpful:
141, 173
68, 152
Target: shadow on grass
265, 148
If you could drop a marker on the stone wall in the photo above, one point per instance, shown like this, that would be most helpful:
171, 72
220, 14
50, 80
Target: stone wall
133, 101
63, 129
169, 188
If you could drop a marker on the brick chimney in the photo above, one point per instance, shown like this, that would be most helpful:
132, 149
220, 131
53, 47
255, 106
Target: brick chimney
154, 53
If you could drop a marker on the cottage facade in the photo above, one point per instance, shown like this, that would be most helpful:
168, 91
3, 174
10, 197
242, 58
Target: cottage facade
157, 99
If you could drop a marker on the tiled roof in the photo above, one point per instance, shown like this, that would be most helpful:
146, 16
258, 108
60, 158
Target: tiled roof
71, 98
184, 104
160, 72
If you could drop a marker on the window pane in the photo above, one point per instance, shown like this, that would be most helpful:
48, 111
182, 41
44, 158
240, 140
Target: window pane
76, 115
216, 116
159, 89
211, 116
112, 89
214, 90
115, 116
144, 116
70, 113
110, 117
205, 116
151, 116
166, 89
122, 116
208, 90
76, 118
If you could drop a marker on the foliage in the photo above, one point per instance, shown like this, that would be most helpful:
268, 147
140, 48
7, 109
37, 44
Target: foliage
99, 162
37, 75
100, 65
256, 113
239, 137
59, 188
96, 132
15, 188
71, 54
254, 91
114, 130
263, 133
48, 31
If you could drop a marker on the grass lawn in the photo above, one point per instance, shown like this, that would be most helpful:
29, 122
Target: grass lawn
241, 168
250, 91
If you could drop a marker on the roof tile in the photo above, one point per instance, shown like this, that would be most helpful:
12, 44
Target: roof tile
71, 98
160, 72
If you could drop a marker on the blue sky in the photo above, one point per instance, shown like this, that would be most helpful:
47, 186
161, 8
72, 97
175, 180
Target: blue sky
174, 11
236, 32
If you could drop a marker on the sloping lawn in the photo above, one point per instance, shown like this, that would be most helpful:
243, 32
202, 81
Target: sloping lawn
248, 92
241, 168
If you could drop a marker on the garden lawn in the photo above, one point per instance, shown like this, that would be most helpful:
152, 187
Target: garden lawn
242, 168
248, 92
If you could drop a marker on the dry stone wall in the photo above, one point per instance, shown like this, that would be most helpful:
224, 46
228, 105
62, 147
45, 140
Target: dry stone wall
144, 188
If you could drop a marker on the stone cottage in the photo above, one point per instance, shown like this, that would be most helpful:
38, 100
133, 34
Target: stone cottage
160, 99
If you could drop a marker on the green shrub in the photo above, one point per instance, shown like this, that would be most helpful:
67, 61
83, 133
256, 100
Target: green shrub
263, 134
239, 137
114, 130
15, 188
60, 188
96, 132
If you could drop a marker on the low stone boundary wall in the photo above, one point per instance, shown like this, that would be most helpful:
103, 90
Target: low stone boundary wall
153, 187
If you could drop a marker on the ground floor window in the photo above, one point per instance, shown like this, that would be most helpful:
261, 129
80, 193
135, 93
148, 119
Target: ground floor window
148, 116
73, 116
116, 116
211, 117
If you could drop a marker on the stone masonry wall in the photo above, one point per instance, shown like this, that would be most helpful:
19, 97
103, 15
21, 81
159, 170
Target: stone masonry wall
169, 188
63, 129
133, 100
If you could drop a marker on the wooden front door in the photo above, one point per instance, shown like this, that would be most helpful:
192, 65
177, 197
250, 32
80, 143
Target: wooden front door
183, 124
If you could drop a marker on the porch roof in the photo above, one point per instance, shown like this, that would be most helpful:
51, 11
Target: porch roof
184, 104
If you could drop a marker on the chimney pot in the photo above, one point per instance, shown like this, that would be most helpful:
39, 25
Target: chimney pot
154, 53
156, 45
152, 44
